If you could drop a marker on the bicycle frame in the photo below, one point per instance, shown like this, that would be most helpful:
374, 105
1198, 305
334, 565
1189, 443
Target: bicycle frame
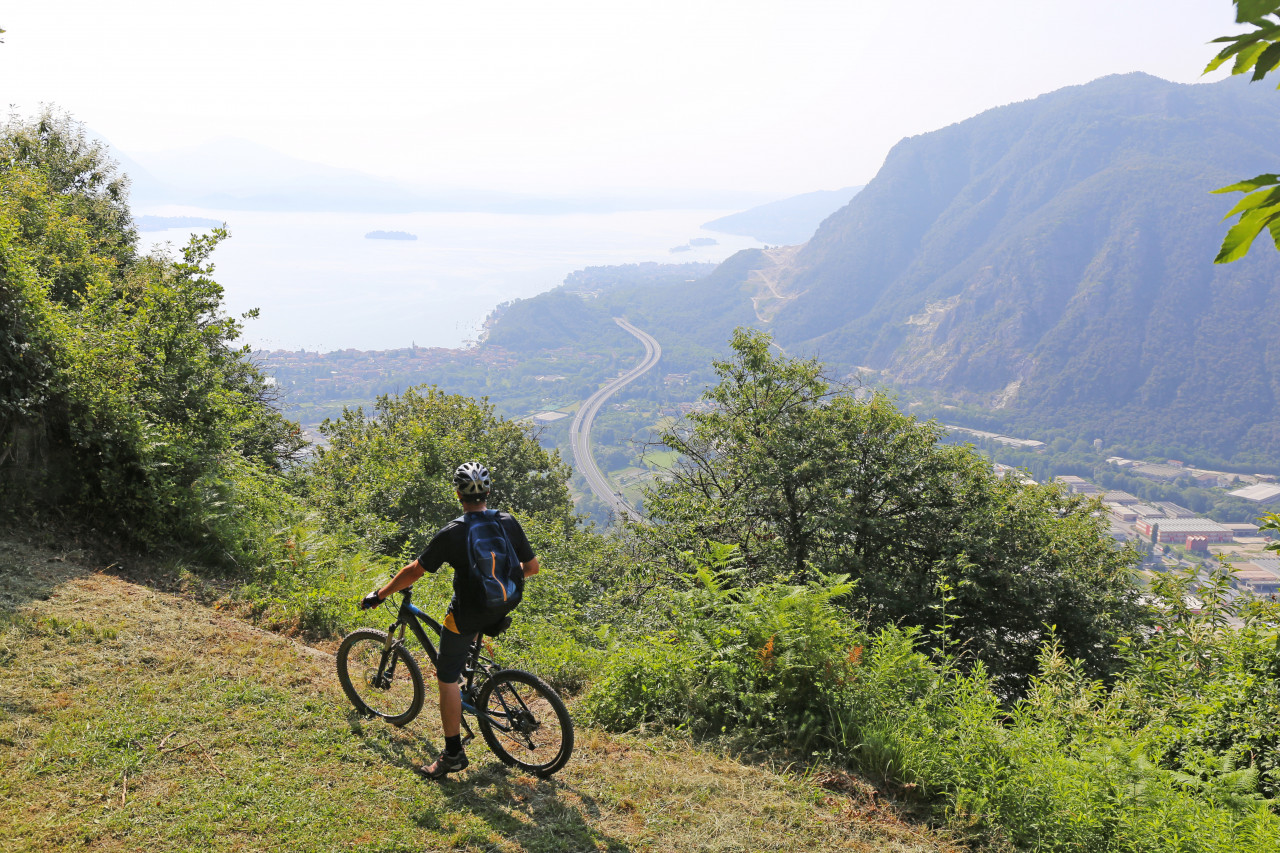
411, 616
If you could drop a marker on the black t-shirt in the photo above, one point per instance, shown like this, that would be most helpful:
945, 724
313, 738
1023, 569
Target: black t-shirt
450, 546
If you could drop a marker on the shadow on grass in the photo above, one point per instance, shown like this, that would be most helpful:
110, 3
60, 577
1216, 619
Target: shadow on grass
538, 814
31, 573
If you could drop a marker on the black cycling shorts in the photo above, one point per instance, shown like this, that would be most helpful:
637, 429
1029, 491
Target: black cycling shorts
455, 645
454, 649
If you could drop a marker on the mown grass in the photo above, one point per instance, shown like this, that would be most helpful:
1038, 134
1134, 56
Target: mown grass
133, 719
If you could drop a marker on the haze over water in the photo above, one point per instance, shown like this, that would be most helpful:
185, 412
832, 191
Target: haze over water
320, 284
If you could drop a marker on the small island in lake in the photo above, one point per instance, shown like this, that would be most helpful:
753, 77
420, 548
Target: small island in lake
390, 235
695, 242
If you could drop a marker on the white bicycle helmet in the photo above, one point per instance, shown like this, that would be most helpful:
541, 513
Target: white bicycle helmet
472, 480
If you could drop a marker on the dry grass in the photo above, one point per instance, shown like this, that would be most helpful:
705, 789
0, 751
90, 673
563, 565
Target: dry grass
132, 718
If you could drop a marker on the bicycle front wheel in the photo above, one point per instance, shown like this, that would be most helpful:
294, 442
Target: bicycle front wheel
380, 682
525, 722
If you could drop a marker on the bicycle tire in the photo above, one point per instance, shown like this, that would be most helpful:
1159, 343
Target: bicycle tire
523, 706
397, 699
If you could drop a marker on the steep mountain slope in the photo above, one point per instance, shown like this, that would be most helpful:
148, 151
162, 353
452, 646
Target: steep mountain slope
1052, 261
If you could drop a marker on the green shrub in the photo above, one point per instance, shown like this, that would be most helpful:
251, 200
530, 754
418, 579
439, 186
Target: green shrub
310, 580
768, 660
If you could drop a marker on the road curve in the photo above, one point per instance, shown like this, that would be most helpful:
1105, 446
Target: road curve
580, 429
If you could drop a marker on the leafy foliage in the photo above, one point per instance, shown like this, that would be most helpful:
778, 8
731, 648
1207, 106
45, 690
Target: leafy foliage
1178, 753
122, 387
389, 477
1257, 50
763, 661
808, 481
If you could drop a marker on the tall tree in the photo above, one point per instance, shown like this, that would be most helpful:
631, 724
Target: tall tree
122, 390
808, 479
388, 477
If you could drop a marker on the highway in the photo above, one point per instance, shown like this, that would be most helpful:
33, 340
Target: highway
580, 429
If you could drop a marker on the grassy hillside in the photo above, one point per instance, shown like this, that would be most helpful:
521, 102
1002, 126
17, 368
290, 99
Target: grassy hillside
133, 718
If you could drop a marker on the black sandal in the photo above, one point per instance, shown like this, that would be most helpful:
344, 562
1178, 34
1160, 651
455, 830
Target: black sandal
446, 764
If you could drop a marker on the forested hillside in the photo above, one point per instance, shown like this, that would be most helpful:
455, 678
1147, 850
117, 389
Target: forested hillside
1052, 261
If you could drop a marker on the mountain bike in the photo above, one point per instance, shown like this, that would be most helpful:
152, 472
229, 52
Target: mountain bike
524, 721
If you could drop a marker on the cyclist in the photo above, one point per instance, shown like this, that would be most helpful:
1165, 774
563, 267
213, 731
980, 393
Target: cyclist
464, 620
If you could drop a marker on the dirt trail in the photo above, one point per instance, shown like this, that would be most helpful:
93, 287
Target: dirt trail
768, 299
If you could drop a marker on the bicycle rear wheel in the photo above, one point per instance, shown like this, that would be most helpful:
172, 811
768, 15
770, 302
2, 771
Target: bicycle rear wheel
527, 724
380, 683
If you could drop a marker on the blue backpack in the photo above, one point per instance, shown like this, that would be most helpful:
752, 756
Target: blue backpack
495, 573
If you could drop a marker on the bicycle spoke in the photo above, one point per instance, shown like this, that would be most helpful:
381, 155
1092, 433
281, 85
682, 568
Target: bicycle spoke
379, 681
525, 723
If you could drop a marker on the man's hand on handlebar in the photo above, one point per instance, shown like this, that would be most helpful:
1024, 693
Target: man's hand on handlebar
404, 579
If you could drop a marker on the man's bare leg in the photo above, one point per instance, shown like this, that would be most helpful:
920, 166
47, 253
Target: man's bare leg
450, 714
450, 708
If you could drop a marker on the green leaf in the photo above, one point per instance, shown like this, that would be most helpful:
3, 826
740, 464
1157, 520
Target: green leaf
1241, 236
1262, 198
1238, 43
1269, 59
1246, 58
1253, 11
1274, 227
1251, 184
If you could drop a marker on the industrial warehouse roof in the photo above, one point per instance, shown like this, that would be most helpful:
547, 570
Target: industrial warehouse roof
1187, 525
1259, 492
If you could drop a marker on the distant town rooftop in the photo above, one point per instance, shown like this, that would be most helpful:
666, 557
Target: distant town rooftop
1173, 510
1188, 525
1260, 492
1150, 469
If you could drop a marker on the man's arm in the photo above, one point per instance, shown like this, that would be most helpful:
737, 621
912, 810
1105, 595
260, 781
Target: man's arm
530, 568
404, 579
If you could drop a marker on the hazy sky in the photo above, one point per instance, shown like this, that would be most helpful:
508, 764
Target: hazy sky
779, 97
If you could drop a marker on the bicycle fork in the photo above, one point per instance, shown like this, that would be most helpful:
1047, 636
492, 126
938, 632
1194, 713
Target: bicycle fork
387, 666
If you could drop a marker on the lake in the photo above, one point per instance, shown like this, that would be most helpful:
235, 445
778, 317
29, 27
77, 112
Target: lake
320, 285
